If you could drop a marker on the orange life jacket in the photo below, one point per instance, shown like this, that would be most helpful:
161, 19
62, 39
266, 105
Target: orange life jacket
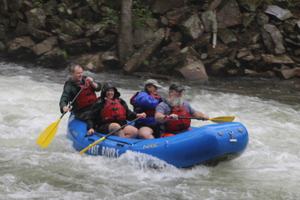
87, 96
113, 111
176, 125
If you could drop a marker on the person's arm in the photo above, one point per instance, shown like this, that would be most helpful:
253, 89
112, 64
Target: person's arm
94, 116
131, 115
200, 115
160, 117
162, 113
195, 113
94, 84
145, 100
65, 98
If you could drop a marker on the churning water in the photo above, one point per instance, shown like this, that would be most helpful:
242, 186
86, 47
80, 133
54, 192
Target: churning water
269, 168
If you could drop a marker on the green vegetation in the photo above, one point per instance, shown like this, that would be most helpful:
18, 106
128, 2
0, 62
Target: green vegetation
145, 62
38, 3
140, 14
112, 17
80, 22
64, 54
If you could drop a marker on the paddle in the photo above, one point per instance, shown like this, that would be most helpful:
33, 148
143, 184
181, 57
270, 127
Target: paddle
103, 138
216, 119
47, 135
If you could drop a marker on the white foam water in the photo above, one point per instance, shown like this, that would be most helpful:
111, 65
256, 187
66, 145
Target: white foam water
269, 168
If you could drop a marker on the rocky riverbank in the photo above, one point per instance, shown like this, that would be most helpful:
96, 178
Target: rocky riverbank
190, 39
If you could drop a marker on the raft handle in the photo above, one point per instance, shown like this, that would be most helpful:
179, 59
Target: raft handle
231, 137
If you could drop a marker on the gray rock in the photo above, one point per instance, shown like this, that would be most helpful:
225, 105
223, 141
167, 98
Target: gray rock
45, 46
193, 27
272, 38
229, 14
194, 71
36, 18
278, 12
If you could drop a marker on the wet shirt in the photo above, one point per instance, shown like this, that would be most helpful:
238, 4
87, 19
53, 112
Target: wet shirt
165, 109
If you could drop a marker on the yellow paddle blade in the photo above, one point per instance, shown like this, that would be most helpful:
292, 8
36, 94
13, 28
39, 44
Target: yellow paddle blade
222, 119
47, 135
91, 145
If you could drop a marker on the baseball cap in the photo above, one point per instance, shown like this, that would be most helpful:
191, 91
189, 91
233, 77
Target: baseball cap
152, 82
176, 86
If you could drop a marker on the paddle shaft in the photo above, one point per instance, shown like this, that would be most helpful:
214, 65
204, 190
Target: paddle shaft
103, 138
200, 118
47, 135
216, 119
69, 106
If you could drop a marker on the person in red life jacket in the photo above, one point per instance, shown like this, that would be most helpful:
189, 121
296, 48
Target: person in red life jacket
168, 111
146, 101
110, 112
81, 106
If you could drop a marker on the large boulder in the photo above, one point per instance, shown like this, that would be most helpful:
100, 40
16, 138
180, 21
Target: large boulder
194, 71
218, 66
71, 28
280, 59
290, 73
272, 38
90, 62
37, 34
175, 16
163, 6
45, 46
20, 43
250, 6
55, 59
227, 36
229, 14
21, 47
278, 12
36, 18
192, 27
82, 45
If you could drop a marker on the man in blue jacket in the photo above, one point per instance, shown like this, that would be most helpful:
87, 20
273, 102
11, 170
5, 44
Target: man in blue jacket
146, 101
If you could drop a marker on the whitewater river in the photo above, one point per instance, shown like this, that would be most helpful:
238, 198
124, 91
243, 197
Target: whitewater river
269, 168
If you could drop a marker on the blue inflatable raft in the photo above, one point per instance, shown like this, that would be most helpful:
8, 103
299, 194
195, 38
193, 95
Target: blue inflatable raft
206, 145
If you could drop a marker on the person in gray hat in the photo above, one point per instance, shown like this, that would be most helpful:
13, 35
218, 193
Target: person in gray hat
146, 101
169, 111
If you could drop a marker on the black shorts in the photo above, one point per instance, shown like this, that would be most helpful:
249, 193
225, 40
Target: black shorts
104, 129
154, 127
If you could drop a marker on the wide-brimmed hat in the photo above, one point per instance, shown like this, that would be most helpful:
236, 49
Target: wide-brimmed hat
152, 82
176, 86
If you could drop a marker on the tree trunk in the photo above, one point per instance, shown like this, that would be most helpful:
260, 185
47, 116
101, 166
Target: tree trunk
125, 44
